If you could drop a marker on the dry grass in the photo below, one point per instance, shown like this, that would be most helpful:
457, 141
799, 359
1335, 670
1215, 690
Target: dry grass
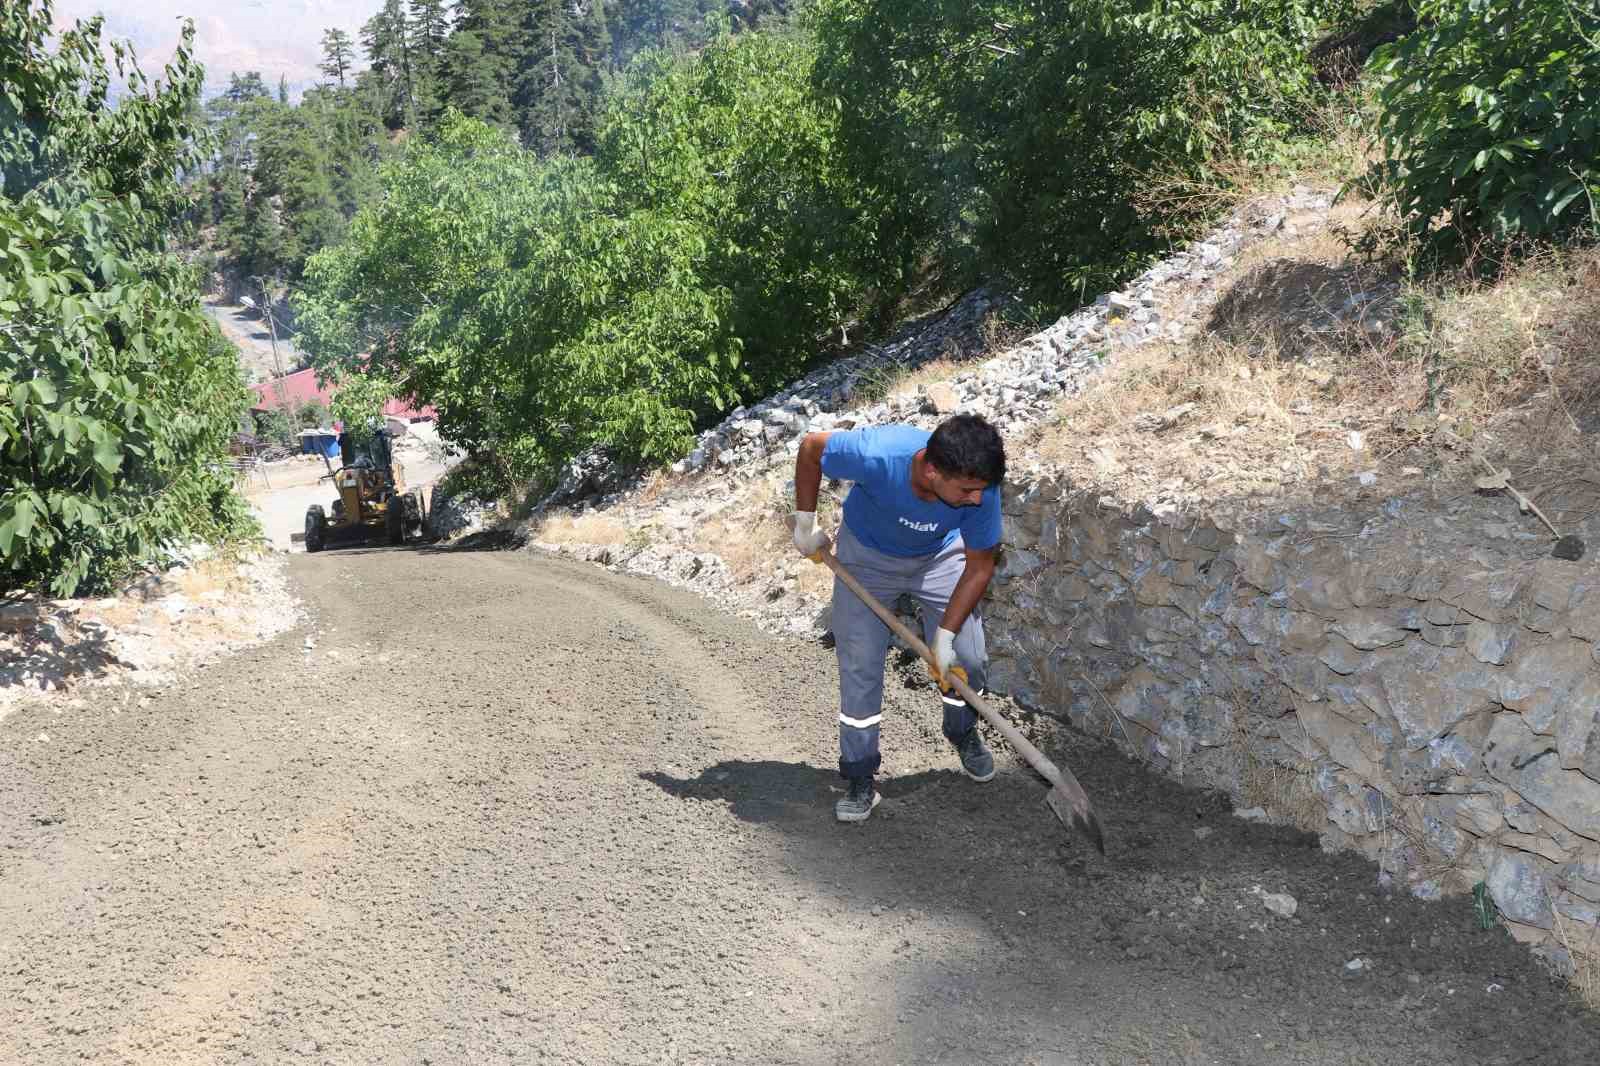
752, 538
1583, 948
909, 382
582, 529
1292, 388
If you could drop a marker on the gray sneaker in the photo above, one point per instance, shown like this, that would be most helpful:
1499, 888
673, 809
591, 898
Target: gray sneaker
857, 806
976, 760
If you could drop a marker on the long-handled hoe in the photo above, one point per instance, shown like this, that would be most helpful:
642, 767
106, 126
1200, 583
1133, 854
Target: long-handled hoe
1066, 797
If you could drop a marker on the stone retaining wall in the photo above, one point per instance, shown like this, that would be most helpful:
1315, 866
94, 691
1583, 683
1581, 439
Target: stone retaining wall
1411, 678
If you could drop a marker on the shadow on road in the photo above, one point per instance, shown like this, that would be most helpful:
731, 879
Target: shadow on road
1175, 912
764, 790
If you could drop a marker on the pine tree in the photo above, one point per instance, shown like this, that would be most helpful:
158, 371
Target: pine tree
751, 14
386, 37
641, 24
337, 53
428, 30
565, 49
294, 174
478, 65
283, 88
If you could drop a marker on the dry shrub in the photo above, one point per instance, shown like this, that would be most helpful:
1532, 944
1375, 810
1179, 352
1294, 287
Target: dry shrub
1260, 420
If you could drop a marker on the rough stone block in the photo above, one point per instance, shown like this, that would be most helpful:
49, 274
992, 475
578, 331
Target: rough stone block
1552, 587
1429, 583
1516, 883
1186, 573
1066, 588
1368, 630
1016, 532
1487, 594
1153, 588
1542, 846
17, 617
1339, 656
1304, 631
1304, 675
1582, 879
1490, 642
1444, 636
1440, 613
1250, 619
1529, 764
1340, 738
1519, 813
1257, 566
1324, 594
1429, 690
1441, 835
1578, 731
1544, 678
1018, 563
1479, 814
1583, 617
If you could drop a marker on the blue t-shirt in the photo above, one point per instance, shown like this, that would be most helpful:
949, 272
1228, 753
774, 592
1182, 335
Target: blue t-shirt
883, 512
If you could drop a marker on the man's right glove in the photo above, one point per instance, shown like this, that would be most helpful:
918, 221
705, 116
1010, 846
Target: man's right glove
808, 539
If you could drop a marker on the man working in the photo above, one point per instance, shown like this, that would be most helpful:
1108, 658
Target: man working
922, 518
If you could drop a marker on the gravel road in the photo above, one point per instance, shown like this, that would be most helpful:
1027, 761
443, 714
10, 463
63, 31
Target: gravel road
496, 807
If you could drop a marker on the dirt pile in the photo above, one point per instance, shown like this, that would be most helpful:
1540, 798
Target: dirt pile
153, 632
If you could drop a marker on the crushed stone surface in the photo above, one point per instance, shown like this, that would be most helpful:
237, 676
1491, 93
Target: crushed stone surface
502, 807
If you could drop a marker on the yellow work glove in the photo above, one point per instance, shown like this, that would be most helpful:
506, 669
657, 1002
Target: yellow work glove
808, 539
944, 665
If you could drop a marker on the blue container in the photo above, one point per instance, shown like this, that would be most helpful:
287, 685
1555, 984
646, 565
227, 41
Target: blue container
314, 442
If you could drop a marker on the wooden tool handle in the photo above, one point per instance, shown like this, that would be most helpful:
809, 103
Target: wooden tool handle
1033, 755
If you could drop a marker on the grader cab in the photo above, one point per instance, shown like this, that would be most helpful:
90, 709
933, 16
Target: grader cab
372, 499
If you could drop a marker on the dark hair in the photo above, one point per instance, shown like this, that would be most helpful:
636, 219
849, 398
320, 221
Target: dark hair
968, 446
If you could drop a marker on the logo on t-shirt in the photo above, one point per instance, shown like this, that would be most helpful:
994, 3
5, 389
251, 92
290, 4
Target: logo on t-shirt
920, 527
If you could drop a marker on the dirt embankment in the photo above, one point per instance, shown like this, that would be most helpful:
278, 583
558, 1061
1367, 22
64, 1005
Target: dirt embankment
493, 807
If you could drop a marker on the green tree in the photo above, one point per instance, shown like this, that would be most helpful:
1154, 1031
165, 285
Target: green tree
537, 311
117, 398
565, 53
1490, 114
386, 38
676, 25
293, 186
734, 142
337, 53
479, 64
1012, 137
429, 27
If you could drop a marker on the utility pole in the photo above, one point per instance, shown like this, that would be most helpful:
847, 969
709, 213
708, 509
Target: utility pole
272, 331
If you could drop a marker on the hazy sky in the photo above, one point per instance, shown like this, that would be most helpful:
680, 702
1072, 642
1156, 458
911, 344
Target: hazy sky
272, 36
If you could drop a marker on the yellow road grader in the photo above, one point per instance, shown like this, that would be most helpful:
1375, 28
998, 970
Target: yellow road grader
372, 499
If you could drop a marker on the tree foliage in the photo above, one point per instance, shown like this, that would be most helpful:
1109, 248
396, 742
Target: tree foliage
1491, 117
117, 398
1012, 137
525, 301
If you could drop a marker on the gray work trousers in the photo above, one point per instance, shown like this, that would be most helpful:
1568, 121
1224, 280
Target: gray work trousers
861, 641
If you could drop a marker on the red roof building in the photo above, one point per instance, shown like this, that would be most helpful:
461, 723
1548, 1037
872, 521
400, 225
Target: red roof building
300, 388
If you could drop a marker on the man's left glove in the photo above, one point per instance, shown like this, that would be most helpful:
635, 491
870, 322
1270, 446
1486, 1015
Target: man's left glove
944, 654
808, 539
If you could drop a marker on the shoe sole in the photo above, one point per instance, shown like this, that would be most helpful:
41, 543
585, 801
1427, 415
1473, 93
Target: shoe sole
864, 815
986, 777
